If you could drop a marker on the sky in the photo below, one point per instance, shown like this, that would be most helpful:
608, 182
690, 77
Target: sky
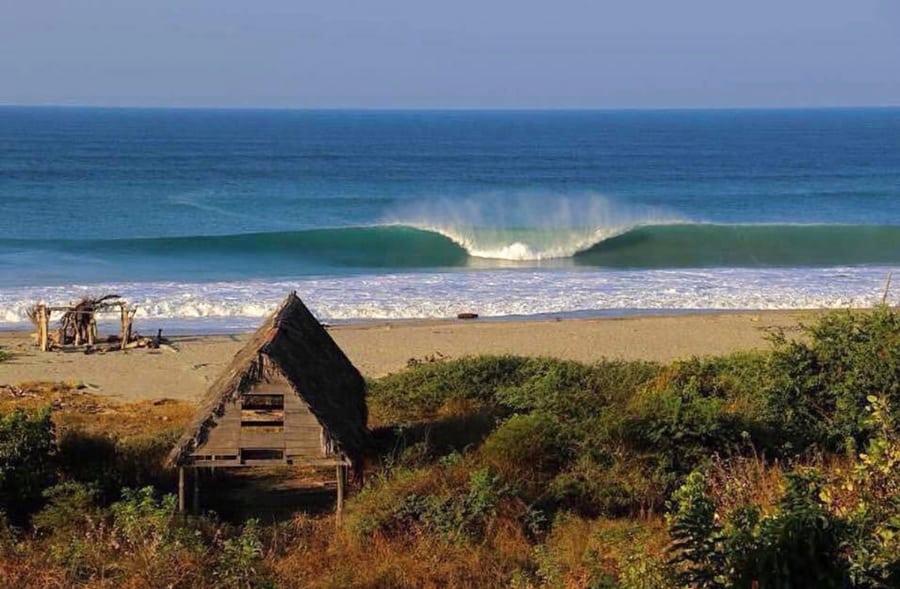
457, 54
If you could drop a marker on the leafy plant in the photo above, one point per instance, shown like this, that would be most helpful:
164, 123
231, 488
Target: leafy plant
240, 562
698, 540
820, 385
27, 447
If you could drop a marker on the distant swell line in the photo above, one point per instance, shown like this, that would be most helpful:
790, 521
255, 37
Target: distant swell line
388, 246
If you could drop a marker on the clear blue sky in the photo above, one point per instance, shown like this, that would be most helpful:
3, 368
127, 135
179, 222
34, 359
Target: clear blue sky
459, 53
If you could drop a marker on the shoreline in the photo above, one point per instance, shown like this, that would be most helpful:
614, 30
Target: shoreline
245, 325
380, 348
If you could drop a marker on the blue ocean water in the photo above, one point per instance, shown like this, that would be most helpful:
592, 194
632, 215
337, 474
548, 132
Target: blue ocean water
208, 217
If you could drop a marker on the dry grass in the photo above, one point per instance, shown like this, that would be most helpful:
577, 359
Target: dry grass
320, 559
581, 553
75, 407
745, 480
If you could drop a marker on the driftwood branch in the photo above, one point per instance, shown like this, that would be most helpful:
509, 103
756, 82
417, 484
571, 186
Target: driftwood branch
78, 325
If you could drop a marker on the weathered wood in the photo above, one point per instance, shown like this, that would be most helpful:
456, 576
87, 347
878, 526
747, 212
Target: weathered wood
78, 324
129, 320
195, 504
44, 328
181, 489
207, 462
122, 331
260, 440
339, 508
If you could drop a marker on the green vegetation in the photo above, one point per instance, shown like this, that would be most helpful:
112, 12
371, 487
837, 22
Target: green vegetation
26, 451
5, 355
768, 470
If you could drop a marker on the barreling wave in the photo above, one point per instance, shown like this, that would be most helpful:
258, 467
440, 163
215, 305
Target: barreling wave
679, 245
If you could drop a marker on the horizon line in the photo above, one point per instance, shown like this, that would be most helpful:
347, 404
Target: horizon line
453, 108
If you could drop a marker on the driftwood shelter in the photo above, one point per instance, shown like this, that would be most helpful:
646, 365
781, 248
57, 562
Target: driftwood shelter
289, 397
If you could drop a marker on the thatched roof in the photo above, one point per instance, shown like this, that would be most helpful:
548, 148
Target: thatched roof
293, 341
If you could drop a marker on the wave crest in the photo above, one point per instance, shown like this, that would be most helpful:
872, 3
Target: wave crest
525, 244
529, 227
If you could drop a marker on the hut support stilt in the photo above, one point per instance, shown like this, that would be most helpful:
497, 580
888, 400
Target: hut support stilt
181, 489
339, 508
195, 501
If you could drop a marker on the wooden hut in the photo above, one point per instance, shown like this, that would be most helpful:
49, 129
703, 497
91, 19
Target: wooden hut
289, 397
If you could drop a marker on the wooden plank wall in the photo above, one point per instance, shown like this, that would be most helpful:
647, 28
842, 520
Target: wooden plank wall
302, 439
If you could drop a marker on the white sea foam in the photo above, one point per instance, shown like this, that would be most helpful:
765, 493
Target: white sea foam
239, 305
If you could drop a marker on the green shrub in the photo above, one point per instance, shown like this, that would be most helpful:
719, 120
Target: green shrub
240, 562
568, 389
644, 572
420, 392
799, 545
873, 508
571, 391
68, 504
447, 500
820, 386
625, 485
698, 554
682, 428
533, 445
27, 448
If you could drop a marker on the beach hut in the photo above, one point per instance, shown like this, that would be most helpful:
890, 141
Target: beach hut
289, 397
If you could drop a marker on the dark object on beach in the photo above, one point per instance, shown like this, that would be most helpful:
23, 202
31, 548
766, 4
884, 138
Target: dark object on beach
467, 316
157, 339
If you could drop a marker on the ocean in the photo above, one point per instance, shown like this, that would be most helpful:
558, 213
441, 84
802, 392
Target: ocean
207, 218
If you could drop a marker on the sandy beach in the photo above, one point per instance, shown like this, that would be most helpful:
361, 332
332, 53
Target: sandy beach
382, 348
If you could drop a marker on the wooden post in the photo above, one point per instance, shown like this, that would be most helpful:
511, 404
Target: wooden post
195, 503
43, 328
127, 318
77, 328
122, 323
181, 489
339, 509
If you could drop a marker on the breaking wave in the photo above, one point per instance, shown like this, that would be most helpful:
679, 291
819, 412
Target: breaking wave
677, 245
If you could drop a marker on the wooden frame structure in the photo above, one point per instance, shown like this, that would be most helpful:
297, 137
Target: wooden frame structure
87, 335
289, 398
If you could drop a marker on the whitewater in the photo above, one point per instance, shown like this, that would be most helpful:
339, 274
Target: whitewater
236, 306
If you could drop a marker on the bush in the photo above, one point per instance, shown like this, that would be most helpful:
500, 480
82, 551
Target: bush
69, 505
799, 545
26, 461
567, 389
820, 386
535, 441
240, 560
449, 500
870, 501
421, 392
